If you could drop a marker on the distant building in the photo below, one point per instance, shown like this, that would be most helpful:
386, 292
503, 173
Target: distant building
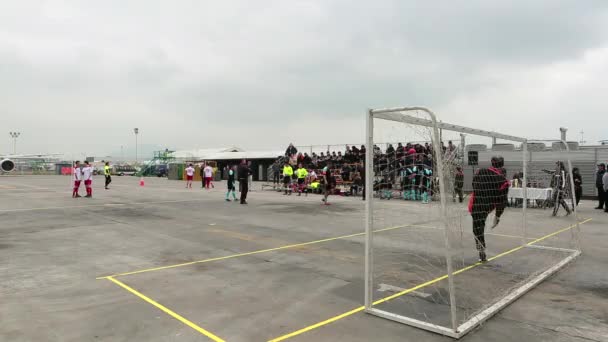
227, 156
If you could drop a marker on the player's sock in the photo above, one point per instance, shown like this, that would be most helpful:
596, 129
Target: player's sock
496, 221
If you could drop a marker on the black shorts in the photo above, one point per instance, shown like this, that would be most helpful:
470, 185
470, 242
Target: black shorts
286, 179
231, 186
301, 181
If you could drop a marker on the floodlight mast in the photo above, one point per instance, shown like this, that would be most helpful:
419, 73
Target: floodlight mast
14, 135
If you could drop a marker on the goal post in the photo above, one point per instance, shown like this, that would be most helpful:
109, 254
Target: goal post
421, 254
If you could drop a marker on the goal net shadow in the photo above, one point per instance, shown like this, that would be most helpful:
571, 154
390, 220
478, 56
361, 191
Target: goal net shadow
432, 261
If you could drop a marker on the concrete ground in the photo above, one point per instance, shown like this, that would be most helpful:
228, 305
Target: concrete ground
199, 268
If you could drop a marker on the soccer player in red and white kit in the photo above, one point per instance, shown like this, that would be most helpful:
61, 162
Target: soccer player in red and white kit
189, 176
87, 176
77, 177
208, 174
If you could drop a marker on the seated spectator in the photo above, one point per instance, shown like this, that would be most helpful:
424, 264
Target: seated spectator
312, 175
340, 158
377, 150
346, 170
400, 151
307, 161
348, 157
386, 188
315, 186
357, 184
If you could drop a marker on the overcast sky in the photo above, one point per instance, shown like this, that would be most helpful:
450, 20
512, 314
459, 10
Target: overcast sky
77, 76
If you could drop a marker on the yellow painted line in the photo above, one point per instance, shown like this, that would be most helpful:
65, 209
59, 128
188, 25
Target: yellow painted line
249, 253
166, 310
404, 292
276, 249
320, 324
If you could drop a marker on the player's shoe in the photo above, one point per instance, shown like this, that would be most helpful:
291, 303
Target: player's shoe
482, 257
228, 200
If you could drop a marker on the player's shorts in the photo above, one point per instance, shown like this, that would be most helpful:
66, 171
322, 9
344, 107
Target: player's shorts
189, 178
301, 181
88, 183
77, 184
231, 186
286, 179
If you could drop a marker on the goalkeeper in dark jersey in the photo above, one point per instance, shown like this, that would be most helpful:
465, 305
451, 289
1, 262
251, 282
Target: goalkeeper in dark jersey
490, 189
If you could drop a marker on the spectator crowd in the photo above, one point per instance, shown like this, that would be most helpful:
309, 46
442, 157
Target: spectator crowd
407, 168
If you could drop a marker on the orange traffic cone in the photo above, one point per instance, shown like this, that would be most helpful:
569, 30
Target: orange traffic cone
141, 181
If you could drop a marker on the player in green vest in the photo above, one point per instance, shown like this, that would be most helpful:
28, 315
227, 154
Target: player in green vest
287, 174
301, 173
107, 171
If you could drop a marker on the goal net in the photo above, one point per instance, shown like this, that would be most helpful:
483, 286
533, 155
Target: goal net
458, 222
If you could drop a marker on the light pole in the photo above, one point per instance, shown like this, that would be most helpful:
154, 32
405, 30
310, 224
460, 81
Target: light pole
14, 135
136, 131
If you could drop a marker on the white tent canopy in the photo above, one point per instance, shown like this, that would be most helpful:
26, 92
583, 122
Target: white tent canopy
227, 153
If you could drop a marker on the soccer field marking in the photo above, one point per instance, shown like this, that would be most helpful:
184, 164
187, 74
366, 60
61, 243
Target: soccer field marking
160, 268
166, 310
248, 253
418, 287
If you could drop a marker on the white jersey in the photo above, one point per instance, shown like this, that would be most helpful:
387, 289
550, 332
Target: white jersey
77, 173
208, 171
87, 173
190, 171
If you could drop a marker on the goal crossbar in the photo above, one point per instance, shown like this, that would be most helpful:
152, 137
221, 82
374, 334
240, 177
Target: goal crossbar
396, 114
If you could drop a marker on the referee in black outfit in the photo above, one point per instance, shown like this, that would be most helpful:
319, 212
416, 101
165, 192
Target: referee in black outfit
243, 173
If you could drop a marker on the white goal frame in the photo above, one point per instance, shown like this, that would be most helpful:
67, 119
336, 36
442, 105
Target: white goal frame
456, 331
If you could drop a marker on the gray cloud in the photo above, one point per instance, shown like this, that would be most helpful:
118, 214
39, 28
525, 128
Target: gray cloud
203, 74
